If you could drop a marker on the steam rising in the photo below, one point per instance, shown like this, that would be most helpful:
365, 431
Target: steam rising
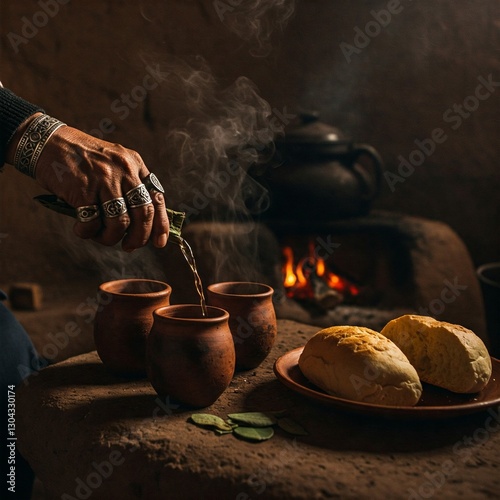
222, 133
255, 21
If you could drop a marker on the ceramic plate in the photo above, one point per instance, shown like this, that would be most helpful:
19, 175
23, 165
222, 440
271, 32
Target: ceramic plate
434, 403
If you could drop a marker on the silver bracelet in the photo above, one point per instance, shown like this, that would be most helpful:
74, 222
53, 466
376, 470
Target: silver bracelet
33, 141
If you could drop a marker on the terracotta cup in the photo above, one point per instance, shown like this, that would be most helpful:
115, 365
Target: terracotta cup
190, 357
252, 319
123, 321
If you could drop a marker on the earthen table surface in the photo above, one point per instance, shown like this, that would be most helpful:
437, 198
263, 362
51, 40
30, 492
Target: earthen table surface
90, 434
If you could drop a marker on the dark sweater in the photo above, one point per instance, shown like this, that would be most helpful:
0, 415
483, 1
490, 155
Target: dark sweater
13, 111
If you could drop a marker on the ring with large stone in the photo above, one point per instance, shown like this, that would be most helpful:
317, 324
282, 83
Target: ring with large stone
114, 207
138, 197
87, 213
153, 184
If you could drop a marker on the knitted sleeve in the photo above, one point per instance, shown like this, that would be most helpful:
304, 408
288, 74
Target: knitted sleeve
13, 111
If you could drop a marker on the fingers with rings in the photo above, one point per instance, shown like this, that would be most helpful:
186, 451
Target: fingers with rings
115, 221
132, 218
138, 196
87, 213
114, 208
88, 223
153, 184
141, 217
160, 222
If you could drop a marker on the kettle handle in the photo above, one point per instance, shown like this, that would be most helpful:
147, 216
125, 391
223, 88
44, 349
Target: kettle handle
372, 181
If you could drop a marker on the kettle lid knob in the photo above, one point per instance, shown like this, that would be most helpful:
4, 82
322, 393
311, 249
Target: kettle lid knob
308, 129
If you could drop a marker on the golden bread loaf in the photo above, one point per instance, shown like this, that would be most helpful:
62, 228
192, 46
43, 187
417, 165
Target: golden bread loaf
446, 355
360, 364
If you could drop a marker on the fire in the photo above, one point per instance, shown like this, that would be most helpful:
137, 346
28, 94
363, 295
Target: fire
320, 267
290, 278
300, 278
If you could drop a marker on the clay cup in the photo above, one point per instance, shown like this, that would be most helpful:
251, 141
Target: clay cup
190, 357
252, 319
123, 321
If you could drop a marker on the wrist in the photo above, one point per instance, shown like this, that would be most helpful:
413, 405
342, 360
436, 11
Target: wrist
34, 136
13, 112
14, 142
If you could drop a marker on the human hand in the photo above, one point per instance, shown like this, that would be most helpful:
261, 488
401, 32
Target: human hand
84, 171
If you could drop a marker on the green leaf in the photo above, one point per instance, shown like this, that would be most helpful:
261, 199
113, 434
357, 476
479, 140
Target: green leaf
220, 433
254, 434
207, 420
253, 419
292, 427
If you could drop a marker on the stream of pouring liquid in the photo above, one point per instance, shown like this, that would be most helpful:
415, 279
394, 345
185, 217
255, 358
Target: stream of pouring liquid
188, 255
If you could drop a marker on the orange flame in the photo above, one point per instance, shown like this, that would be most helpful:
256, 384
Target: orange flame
320, 267
290, 278
333, 281
296, 277
299, 272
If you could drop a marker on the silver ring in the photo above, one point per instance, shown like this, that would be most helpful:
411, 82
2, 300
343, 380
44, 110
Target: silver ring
87, 213
153, 184
114, 207
138, 197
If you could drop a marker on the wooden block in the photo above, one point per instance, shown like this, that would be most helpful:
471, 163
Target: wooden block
26, 296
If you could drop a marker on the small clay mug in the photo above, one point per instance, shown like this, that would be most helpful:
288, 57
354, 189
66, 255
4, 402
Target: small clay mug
190, 357
123, 320
252, 319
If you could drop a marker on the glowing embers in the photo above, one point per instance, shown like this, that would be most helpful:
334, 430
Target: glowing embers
310, 280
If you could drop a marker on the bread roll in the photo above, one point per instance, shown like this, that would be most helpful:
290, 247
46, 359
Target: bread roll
359, 364
446, 355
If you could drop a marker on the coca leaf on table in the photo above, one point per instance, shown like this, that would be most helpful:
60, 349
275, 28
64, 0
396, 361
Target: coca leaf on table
221, 433
254, 433
207, 420
253, 419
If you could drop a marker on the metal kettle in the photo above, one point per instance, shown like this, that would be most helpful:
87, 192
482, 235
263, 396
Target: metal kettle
320, 174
